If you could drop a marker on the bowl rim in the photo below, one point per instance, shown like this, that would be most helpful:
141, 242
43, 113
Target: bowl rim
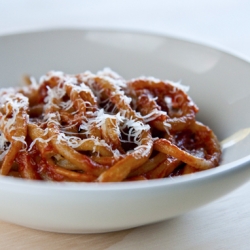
205, 174
199, 42
219, 171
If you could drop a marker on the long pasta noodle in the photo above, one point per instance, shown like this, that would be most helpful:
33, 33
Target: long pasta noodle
102, 128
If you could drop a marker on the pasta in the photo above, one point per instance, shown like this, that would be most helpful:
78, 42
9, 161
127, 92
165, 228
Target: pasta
101, 128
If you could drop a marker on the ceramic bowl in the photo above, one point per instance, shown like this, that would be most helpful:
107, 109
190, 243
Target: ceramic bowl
219, 84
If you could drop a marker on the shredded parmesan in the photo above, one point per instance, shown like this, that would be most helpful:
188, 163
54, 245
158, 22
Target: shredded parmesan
95, 127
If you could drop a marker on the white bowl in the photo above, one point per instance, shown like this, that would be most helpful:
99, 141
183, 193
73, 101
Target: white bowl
219, 84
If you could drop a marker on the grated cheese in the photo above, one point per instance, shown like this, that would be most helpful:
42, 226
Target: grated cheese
128, 124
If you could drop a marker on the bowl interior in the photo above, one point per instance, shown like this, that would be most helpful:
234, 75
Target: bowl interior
219, 82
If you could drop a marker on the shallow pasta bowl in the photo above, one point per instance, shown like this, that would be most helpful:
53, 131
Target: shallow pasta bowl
219, 85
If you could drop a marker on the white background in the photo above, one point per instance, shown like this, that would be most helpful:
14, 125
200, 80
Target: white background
224, 23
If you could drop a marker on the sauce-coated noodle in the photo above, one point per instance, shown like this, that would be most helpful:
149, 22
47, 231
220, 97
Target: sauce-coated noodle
102, 128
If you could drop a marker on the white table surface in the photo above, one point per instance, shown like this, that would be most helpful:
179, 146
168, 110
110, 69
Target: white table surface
223, 224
